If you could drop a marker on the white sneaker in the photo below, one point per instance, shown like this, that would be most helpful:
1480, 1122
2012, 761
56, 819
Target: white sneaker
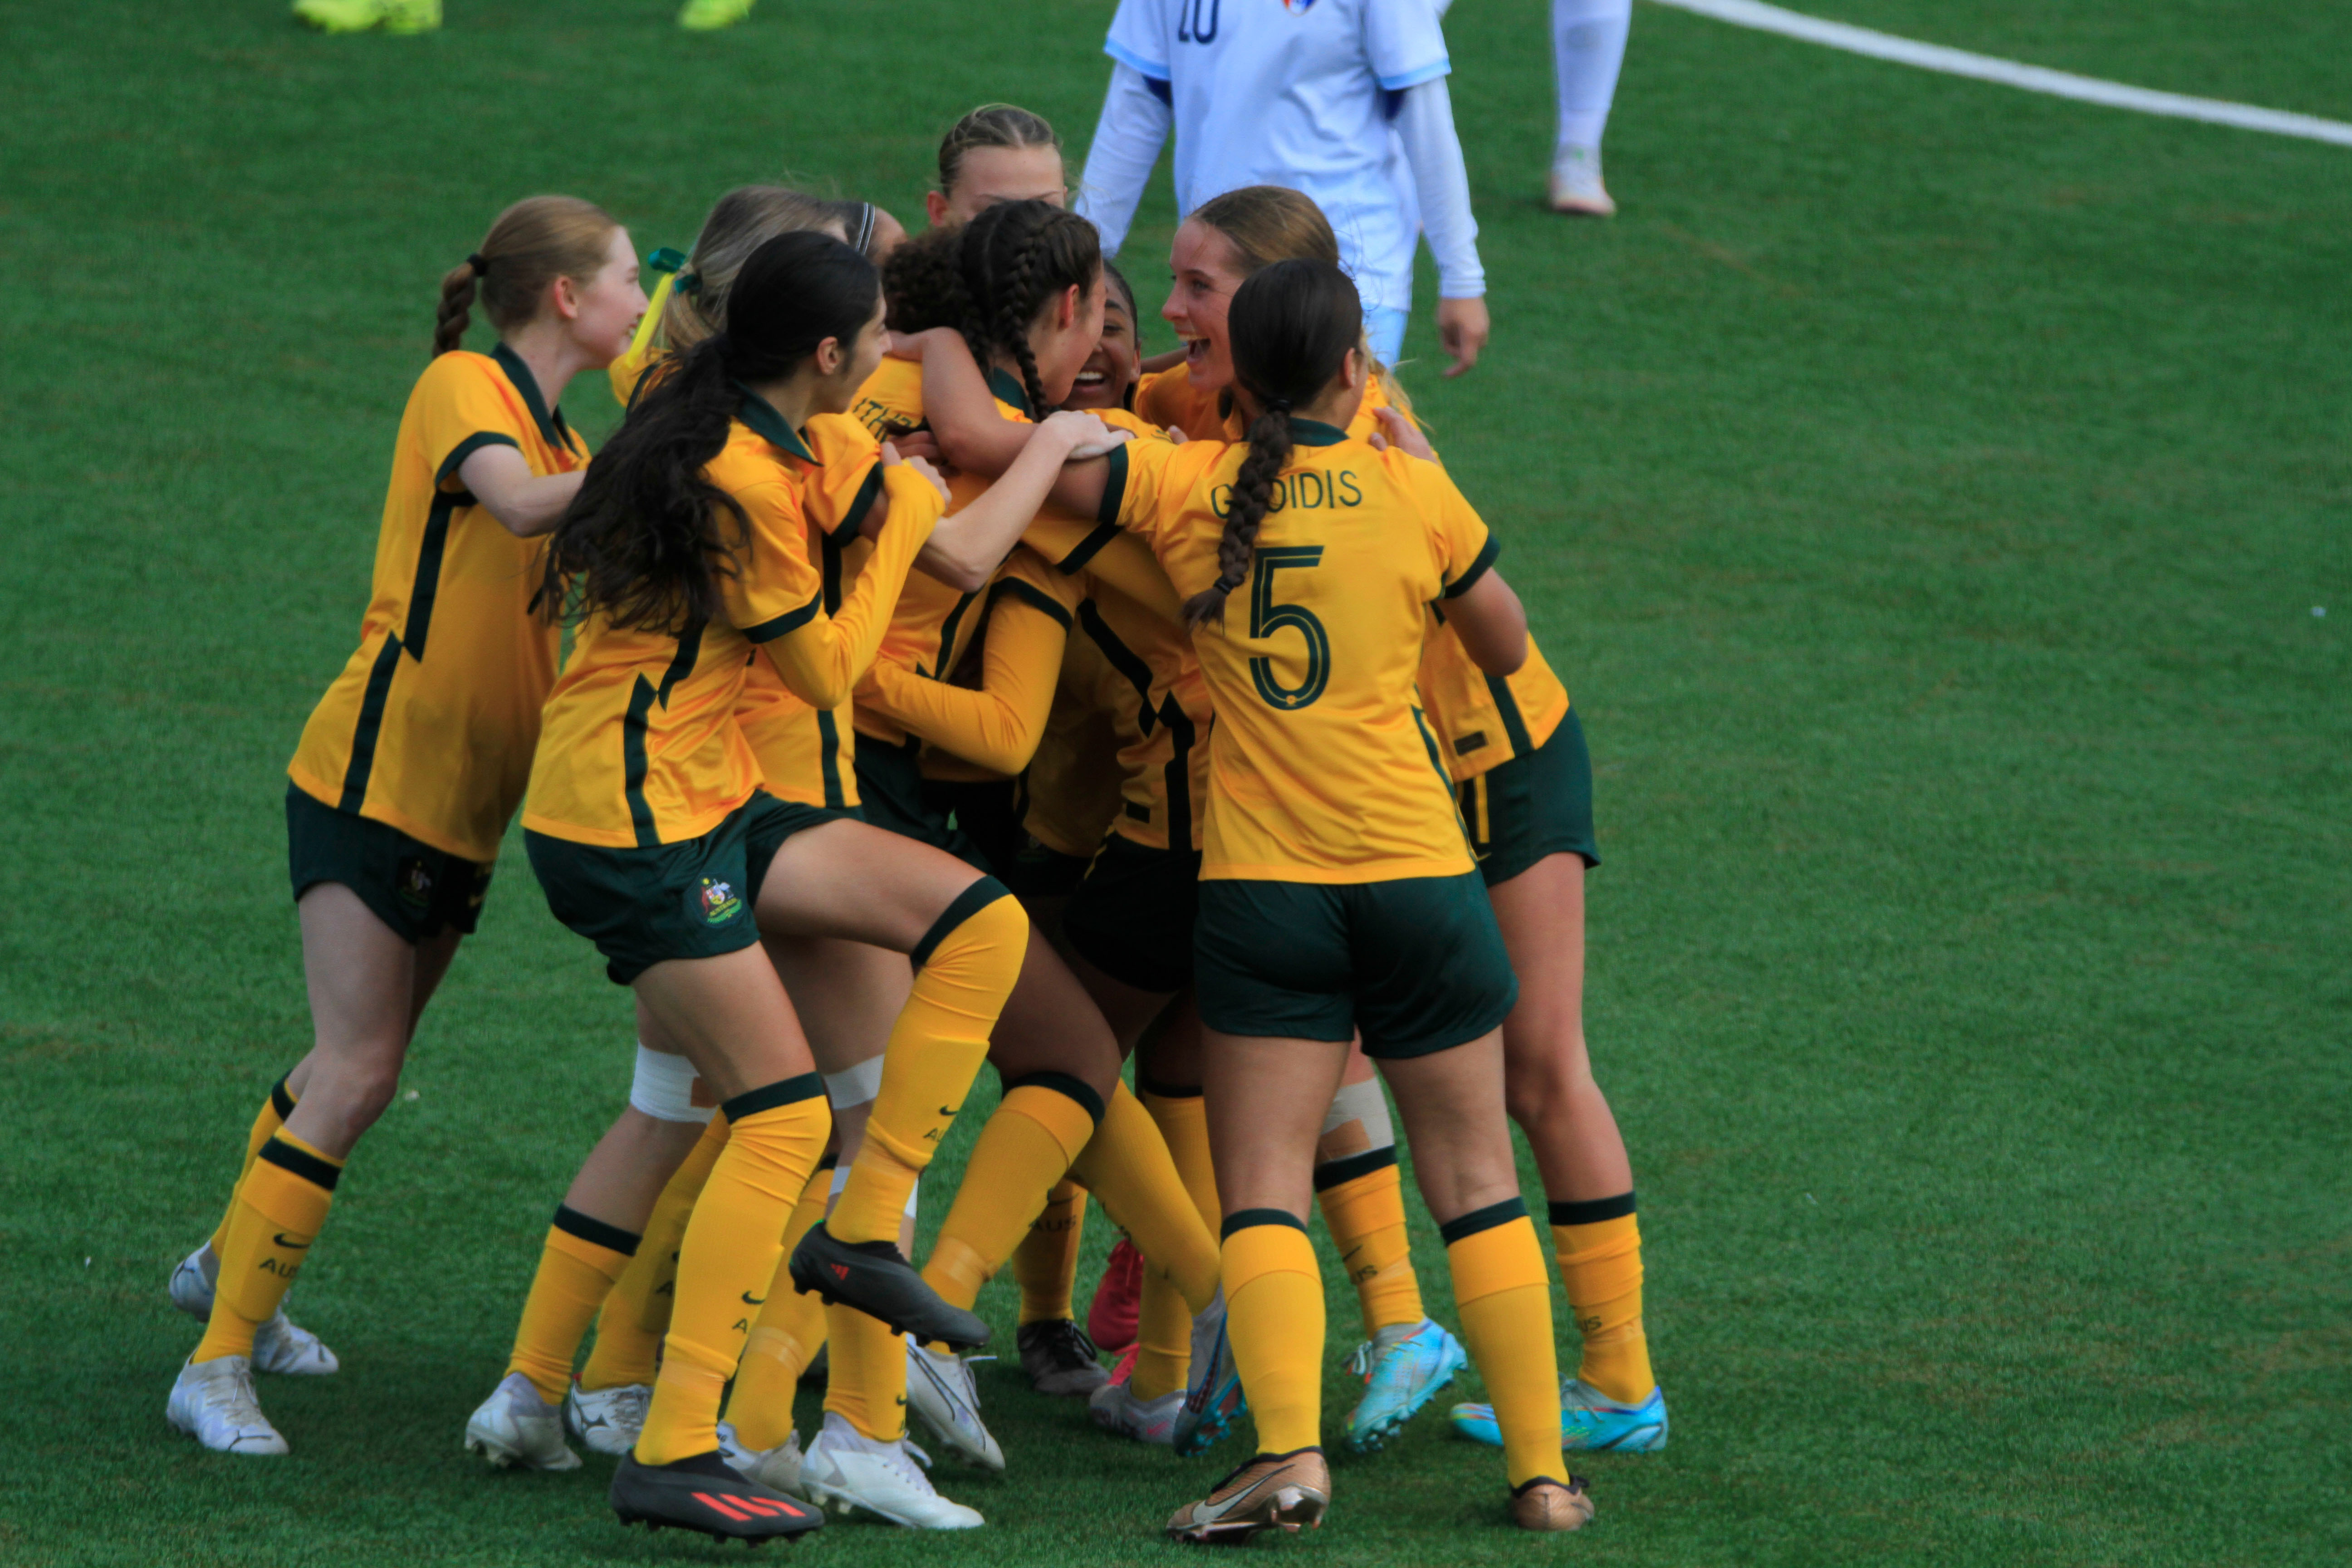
777, 1469
606, 1420
941, 1393
515, 1426
1575, 187
847, 1472
213, 1402
280, 1345
1115, 1408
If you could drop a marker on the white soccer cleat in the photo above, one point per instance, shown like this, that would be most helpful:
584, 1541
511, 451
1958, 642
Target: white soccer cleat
280, 1345
1575, 187
606, 1420
515, 1427
847, 1473
940, 1394
1115, 1408
214, 1403
777, 1469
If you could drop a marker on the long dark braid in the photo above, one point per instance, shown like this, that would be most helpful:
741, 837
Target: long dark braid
1291, 326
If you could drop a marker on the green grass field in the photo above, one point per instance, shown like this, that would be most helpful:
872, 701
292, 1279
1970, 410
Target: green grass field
1926, 488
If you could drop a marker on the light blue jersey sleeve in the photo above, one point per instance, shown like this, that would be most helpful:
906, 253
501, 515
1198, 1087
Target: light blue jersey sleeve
1140, 34
1403, 41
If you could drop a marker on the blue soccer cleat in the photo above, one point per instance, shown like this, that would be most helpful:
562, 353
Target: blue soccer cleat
1590, 1422
1402, 1375
1214, 1401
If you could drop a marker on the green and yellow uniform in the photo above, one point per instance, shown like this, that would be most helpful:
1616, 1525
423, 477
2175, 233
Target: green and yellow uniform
416, 758
649, 819
1523, 797
1333, 851
933, 628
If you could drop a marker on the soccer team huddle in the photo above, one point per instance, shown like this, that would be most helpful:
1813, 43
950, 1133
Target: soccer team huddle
919, 677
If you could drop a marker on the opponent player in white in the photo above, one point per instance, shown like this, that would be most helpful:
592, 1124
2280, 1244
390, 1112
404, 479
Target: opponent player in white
1303, 93
1587, 40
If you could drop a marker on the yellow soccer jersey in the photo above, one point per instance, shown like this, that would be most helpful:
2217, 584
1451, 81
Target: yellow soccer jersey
995, 728
1160, 711
1071, 793
642, 744
933, 624
1480, 723
1320, 767
430, 727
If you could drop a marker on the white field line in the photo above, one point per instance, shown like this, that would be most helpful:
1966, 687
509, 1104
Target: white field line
2009, 73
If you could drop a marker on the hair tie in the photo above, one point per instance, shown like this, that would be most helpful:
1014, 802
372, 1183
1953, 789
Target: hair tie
1278, 406
865, 235
479, 263
690, 283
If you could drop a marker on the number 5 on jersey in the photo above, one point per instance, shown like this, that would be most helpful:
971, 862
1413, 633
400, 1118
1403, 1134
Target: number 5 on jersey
1268, 617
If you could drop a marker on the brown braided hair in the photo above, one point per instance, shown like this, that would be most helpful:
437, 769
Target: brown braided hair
991, 278
1292, 325
991, 125
533, 243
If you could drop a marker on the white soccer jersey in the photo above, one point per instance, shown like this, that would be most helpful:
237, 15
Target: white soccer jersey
1292, 93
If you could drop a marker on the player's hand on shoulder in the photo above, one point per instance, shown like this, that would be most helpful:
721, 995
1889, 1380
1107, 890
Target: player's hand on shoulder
891, 459
1401, 433
1085, 434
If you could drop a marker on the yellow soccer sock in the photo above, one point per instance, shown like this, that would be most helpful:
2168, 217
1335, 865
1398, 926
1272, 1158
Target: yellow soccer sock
1274, 1318
786, 1337
1026, 1149
1363, 1198
265, 1123
280, 1206
1046, 1264
729, 1261
637, 1312
1164, 1337
866, 1373
1505, 1302
1183, 1117
1128, 1168
577, 1266
965, 967
1598, 1246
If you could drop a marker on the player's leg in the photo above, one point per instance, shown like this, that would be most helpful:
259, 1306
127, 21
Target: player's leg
1437, 986
591, 1244
1588, 51
1266, 1099
729, 1016
363, 978
1406, 1357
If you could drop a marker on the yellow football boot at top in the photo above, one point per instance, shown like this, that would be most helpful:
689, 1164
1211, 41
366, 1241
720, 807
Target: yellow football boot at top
339, 15
710, 16
411, 15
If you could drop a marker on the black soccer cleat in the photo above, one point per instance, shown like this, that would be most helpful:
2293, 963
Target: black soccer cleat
876, 1280
704, 1493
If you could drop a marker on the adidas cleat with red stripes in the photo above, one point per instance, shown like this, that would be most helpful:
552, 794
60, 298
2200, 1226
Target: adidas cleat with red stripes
875, 1277
704, 1493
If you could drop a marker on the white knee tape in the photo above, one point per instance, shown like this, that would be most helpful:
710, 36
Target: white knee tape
854, 1086
1362, 1102
664, 1088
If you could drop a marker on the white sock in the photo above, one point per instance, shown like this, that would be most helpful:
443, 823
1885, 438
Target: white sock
1587, 40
